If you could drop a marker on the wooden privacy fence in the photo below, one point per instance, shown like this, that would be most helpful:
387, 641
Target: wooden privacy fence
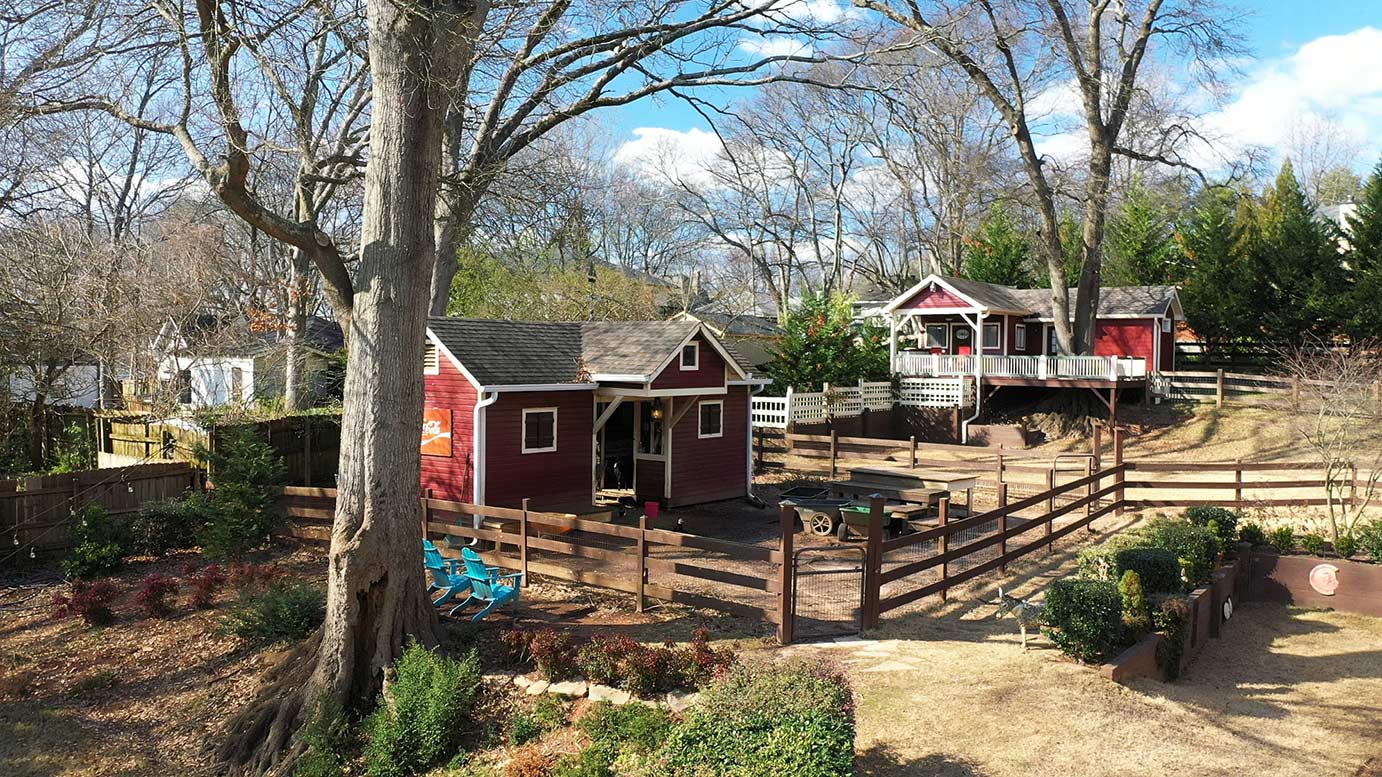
1222, 387
1236, 484
650, 563
310, 445
36, 513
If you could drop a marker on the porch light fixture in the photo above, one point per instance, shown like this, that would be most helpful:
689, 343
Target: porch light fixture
657, 412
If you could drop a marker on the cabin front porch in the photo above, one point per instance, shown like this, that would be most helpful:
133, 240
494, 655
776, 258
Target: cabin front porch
1016, 370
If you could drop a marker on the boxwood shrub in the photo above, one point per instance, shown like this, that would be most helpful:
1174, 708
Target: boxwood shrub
1195, 546
1097, 562
1084, 618
1224, 522
1158, 568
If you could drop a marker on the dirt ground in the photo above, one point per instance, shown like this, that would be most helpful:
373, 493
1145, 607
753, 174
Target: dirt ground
946, 689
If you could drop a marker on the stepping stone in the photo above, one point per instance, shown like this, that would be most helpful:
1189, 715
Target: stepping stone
521, 681
614, 696
538, 687
568, 688
502, 677
676, 702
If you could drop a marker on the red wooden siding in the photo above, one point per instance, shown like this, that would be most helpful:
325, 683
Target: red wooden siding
451, 477
939, 298
1168, 347
1033, 337
563, 475
650, 480
709, 374
1125, 337
714, 468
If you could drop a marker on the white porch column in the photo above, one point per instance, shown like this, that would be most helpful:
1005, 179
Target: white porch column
892, 342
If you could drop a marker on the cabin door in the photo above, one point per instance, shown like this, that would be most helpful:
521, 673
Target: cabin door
614, 449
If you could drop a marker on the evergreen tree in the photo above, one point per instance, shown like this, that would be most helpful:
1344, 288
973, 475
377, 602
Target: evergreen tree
999, 253
1364, 240
822, 344
1298, 265
1141, 249
1072, 245
1218, 292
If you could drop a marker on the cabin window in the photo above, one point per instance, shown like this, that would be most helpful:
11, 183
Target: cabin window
650, 428
937, 335
691, 356
431, 364
539, 429
993, 335
712, 421
1020, 338
1166, 325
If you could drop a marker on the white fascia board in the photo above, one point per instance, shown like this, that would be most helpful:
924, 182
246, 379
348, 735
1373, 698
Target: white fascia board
542, 387
451, 357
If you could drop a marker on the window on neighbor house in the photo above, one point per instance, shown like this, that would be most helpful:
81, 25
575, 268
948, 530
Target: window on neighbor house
431, 363
937, 335
691, 356
993, 335
539, 429
185, 387
712, 421
237, 384
1020, 338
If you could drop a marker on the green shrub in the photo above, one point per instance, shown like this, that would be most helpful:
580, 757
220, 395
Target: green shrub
1097, 562
792, 717
548, 713
287, 610
328, 739
99, 543
1283, 538
1252, 534
1157, 568
1172, 620
1346, 545
1196, 547
1084, 618
1313, 543
631, 731
1136, 619
242, 510
172, 524
427, 713
1370, 539
1223, 522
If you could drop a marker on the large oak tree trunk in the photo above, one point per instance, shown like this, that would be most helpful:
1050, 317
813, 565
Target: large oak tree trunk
295, 359
376, 594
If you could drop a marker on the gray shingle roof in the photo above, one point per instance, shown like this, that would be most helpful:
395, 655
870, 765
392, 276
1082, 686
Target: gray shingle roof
734, 324
507, 353
1113, 300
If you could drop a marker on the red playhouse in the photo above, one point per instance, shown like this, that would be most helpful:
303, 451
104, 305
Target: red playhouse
571, 414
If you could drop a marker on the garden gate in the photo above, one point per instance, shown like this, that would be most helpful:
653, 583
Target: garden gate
827, 592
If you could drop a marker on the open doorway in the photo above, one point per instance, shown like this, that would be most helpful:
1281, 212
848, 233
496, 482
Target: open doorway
614, 453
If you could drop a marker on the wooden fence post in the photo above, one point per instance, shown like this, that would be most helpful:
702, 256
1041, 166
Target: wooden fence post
643, 560
873, 562
943, 544
1003, 524
998, 470
786, 518
912, 445
1119, 476
1089, 493
1097, 447
1238, 483
1219, 388
523, 549
834, 444
758, 430
1050, 505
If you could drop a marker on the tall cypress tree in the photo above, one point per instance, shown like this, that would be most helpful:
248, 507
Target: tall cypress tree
1218, 293
1365, 260
1140, 247
1298, 264
999, 252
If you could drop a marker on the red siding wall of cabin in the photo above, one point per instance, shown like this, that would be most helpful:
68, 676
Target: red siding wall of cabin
939, 298
715, 468
451, 477
563, 475
1125, 337
710, 371
1168, 348
1002, 322
1033, 337
650, 478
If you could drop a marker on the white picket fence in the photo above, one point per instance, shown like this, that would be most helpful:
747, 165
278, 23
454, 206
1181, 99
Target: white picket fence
845, 401
1032, 367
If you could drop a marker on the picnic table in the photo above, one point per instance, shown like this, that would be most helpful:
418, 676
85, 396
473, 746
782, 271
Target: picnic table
915, 481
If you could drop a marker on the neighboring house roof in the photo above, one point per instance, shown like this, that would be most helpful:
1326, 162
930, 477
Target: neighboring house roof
534, 353
734, 324
1114, 301
209, 335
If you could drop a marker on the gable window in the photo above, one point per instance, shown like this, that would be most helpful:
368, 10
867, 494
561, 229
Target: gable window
1166, 325
691, 356
937, 335
431, 364
539, 429
712, 419
993, 335
1020, 338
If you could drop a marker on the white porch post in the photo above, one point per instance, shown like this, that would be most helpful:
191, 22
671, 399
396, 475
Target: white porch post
892, 342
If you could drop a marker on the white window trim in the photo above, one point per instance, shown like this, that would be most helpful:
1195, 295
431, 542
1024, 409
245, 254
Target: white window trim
984, 335
696, 348
700, 408
1020, 337
926, 332
431, 365
523, 430
1166, 325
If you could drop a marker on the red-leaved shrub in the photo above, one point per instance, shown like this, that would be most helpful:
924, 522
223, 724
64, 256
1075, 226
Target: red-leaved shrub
89, 601
205, 583
254, 577
154, 593
619, 660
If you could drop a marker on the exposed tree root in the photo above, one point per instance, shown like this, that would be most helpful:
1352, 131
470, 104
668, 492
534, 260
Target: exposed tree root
259, 738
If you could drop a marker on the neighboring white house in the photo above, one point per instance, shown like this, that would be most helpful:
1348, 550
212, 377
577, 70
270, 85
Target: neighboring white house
78, 386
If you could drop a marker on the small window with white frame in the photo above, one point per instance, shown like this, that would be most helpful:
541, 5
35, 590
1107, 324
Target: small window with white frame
1020, 337
539, 429
937, 335
431, 363
691, 356
993, 335
1166, 325
712, 419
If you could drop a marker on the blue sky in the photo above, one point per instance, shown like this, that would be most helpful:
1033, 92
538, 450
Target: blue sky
1312, 60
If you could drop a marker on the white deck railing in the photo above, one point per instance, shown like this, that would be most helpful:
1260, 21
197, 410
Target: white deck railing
845, 401
1033, 367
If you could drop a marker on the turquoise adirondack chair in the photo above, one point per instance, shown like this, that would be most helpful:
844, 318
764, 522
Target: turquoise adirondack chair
487, 585
446, 577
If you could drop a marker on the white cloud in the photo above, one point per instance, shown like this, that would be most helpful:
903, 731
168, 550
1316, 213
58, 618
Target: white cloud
658, 152
775, 46
817, 11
